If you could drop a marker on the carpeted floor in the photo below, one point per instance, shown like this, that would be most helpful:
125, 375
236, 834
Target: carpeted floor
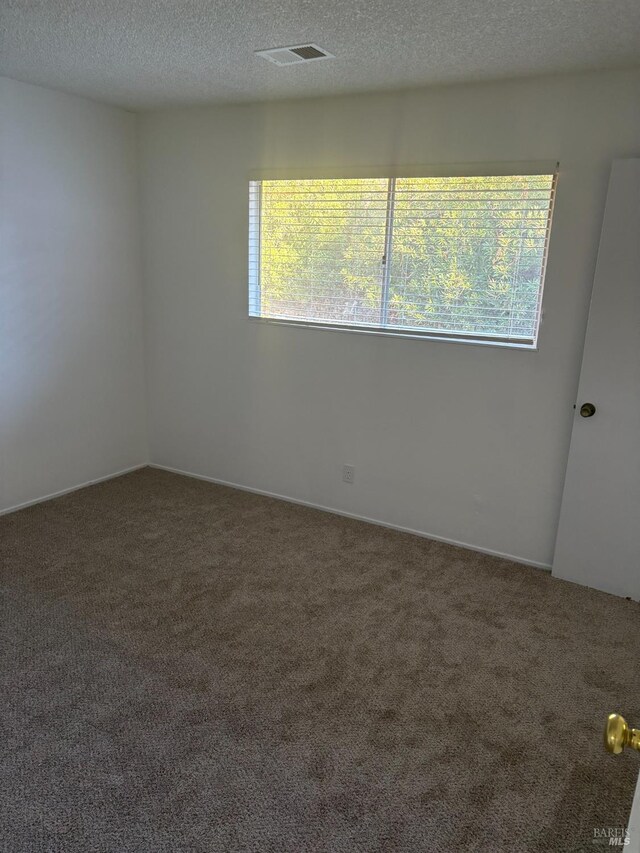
185, 667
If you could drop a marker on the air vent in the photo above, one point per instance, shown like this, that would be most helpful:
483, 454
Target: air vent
295, 54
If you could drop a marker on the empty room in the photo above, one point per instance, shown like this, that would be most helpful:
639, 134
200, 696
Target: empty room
319, 426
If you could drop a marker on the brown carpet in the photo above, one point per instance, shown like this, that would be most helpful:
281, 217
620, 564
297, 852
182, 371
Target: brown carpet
186, 667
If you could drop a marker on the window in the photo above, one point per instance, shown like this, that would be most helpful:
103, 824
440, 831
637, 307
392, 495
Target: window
459, 258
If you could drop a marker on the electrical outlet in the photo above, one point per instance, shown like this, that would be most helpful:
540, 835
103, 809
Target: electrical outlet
348, 473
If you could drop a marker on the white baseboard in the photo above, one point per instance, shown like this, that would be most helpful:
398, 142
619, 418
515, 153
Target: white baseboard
72, 489
422, 533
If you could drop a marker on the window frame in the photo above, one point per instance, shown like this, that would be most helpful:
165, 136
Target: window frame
502, 169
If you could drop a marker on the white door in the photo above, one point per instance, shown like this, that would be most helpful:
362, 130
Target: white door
598, 540
634, 824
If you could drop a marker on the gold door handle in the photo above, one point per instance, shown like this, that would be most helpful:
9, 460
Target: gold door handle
618, 734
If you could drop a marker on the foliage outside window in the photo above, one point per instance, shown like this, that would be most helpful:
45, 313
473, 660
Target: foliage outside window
449, 257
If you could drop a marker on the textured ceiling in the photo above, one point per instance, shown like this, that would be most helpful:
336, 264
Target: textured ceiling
151, 53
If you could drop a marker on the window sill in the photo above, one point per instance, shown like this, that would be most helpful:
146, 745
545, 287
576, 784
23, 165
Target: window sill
504, 343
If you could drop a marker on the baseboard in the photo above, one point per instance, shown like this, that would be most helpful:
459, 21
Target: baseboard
72, 489
424, 534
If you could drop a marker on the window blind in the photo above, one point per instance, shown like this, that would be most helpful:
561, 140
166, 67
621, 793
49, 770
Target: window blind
452, 257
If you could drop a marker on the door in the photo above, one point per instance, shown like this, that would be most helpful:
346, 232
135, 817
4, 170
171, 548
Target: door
618, 737
634, 823
598, 540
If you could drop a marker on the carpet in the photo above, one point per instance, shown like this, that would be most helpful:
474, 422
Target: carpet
188, 667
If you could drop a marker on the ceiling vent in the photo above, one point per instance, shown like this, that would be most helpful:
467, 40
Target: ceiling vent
294, 55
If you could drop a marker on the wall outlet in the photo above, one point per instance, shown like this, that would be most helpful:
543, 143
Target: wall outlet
348, 473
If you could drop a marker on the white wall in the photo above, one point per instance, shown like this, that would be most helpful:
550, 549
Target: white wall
71, 354
463, 442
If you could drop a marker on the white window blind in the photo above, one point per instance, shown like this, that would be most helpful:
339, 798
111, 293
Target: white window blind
450, 257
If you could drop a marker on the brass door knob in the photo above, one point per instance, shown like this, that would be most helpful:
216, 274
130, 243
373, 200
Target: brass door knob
587, 410
618, 734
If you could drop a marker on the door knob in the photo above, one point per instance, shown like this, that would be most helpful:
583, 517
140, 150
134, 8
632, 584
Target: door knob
587, 410
618, 734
